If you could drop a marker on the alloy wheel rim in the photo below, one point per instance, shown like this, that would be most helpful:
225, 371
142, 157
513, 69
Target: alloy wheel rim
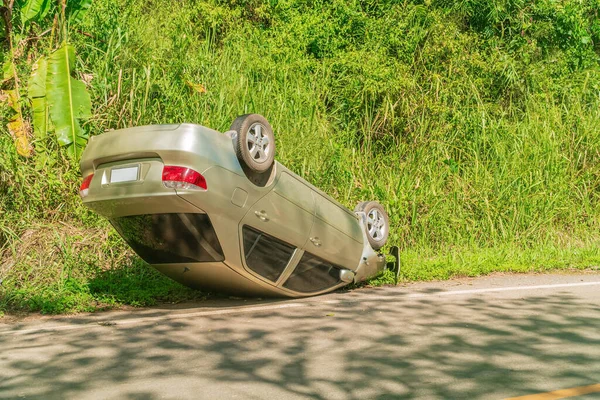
376, 224
259, 145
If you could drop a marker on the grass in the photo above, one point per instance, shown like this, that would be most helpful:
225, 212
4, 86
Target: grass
58, 268
476, 129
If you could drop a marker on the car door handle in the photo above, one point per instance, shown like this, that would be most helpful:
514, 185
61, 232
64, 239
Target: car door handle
262, 215
316, 241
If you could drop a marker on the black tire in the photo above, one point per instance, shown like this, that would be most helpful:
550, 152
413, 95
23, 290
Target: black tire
253, 128
377, 224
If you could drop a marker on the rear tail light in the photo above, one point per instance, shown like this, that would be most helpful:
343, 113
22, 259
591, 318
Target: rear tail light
84, 189
182, 178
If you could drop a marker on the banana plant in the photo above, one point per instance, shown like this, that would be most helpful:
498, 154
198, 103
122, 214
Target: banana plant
59, 101
68, 100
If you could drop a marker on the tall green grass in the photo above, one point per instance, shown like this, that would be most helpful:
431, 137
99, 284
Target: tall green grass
463, 143
475, 123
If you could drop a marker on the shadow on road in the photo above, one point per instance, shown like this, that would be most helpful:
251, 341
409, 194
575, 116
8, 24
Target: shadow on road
359, 348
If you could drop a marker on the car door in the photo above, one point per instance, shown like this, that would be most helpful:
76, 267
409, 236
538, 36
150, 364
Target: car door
335, 234
276, 225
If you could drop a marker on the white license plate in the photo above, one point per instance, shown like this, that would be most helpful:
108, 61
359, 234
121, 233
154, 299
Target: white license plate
126, 174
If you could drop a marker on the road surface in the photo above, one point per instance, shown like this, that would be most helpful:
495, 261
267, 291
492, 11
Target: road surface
487, 338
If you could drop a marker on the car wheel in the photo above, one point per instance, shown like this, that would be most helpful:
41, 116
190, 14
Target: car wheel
377, 225
255, 142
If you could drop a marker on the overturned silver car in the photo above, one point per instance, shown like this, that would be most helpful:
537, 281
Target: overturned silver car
216, 211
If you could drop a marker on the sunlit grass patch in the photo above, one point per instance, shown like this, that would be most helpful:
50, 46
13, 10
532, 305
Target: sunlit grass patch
66, 268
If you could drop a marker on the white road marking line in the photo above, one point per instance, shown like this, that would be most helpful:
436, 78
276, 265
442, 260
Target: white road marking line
488, 290
505, 289
305, 303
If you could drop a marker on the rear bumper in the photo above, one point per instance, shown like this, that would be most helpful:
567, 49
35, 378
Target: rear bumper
137, 204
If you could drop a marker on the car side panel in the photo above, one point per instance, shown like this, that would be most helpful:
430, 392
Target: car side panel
292, 189
278, 216
332, 245
339, 218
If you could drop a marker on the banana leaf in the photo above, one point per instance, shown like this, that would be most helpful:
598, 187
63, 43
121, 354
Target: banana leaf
34, 10
19, 129
68, 100
37, 94
17, 126
7, 71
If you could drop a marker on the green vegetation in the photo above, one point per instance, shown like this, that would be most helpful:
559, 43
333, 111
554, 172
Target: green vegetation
475, 122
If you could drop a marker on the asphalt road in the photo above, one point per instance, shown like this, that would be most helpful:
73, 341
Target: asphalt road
487, 338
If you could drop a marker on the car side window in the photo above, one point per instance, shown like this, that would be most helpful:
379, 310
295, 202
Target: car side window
264, 254
313, 274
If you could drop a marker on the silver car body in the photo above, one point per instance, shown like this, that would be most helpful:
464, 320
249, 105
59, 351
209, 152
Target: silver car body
285, 207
